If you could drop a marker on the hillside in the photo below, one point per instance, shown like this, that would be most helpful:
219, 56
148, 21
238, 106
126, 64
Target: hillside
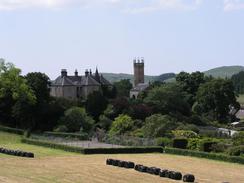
222, 72
225, 71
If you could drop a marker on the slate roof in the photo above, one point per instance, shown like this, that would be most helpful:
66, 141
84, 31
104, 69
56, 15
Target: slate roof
88, 80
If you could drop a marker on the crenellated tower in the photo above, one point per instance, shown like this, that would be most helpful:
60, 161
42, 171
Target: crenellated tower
138, 71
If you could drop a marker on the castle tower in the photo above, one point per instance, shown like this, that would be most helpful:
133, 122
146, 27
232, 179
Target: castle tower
138, 71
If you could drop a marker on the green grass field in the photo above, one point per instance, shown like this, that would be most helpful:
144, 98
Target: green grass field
57, 166
13, 141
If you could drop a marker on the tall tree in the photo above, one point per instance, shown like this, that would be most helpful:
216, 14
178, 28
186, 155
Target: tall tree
216, 97
238, 81
15, 96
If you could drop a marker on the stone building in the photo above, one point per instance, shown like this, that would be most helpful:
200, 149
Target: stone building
75, 87
139, 78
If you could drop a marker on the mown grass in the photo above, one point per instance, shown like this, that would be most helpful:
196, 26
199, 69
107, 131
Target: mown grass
12, 141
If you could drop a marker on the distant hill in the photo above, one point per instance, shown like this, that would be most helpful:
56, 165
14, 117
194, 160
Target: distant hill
219, 72
225, 71
117, 77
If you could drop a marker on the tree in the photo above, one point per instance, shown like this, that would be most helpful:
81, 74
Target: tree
76, 119
140, 111
123, 88
16, 97
216, 97
96, 104
238, 82
168, 98
104, 122
190, 83
39, 83
122, 124
158, 125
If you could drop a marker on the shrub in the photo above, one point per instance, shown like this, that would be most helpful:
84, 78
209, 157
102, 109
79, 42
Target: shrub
180, 143
61, 128
11, 130
184, 134
214, 156
238, 138
193, 143
236, 151
163, 141
206, 145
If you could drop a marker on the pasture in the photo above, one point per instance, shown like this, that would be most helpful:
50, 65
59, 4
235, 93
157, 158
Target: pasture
62, 167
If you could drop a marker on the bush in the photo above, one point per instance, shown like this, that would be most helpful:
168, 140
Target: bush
80, 136
180, 143
206, 145
193, 143
213, 156
11, 130
184, 134
163, 141
236, 151
61, 128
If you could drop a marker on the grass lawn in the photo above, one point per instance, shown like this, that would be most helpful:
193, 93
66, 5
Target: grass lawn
63, 167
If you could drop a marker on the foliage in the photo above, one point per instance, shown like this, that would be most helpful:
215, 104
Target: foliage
216, 96
213, 156
193, 143
121, 105
168, 98
122, 124
76, 118
123, 87
158, 125
96, 103
238, 138
180, 143
163, 141
207, 144
140, 111
236, 150
238, 82
104, 122
190, 83
184, 134
61, 128
16, 97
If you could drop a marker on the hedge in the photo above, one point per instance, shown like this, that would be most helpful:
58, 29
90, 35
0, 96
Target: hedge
81, 136
11, 130
122, 150
213, 156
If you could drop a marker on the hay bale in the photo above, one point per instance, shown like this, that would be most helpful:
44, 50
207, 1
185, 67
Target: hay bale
29, 155
156, 171
122, 164
177, 176
143, 169
109, 161
163, 173
115, 162
188, 178
130, 164
137, 167
150, 170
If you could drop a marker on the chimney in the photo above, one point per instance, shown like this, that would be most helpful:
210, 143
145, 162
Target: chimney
76, 72
90, 72
86, 73
64, 73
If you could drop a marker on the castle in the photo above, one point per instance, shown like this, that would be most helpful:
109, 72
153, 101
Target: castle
76, 87
139, 78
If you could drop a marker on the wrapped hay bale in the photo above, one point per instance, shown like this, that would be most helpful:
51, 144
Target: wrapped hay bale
188, 178
163, 173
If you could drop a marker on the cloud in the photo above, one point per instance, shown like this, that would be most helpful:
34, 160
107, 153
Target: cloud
129, 6
232, 5
51, 4
159, 5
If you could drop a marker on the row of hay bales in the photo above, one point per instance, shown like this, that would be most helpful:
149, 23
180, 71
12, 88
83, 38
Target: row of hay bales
152, 170
16, 153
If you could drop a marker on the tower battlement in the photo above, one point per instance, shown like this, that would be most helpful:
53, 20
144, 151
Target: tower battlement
138, 71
